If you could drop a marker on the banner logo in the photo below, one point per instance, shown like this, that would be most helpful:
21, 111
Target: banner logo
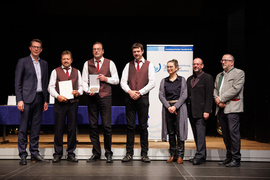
157, 69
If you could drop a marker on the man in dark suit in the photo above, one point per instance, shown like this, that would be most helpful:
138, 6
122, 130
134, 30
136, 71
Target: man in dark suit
200, 99
31, 81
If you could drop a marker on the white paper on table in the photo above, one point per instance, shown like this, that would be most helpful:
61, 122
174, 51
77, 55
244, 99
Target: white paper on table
94, 83
11, 101
65, 89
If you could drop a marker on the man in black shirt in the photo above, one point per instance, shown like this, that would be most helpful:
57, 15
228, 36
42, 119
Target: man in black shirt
200, 99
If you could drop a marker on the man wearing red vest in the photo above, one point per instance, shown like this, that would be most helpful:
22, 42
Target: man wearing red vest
65, 108
100, 102
138, 78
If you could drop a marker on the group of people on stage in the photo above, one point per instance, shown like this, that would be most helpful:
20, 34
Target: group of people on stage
181, 99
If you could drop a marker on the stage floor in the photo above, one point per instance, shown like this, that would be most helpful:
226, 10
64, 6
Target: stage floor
156, 170
119, 141
250, 150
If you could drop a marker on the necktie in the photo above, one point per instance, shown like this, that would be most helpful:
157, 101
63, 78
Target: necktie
98, 65
138, 66
67, 73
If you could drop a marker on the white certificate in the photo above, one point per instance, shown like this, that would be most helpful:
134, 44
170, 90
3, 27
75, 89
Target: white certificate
65, 89
94, 84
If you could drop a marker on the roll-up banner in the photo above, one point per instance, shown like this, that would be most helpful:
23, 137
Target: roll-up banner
159, 55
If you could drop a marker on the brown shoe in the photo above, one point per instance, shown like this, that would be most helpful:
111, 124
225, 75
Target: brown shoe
172, 158
180, 160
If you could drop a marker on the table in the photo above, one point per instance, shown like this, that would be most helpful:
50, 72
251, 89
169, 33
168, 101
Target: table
10, 115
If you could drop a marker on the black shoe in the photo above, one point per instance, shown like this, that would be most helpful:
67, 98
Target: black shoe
39, 159
191, 160
72, 159
146, 159
23, 161
93, 158
198, 161
109, 159
233, 163
226, 161
56, 159
127, 158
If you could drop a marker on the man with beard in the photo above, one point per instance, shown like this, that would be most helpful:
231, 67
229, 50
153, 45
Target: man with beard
200, 93
229, 99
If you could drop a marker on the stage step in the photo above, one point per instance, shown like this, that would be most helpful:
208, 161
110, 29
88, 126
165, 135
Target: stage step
154, 154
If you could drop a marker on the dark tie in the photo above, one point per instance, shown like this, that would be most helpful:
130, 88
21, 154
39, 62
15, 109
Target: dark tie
98, 65
67, 73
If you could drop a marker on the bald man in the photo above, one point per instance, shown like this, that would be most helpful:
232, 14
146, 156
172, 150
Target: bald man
200, 100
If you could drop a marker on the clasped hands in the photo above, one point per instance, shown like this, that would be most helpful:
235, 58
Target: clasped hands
219, 103
134, 94
61, 98
172, 110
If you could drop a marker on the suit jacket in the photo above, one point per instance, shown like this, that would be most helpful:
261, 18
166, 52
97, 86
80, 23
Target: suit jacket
181, 105
200, 95
231, 91
26, 80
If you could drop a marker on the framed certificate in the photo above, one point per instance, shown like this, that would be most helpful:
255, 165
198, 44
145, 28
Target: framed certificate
65, 89
94, 83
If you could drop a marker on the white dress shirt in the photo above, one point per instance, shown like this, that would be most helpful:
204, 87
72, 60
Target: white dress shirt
52, 82
151, 78
114, 79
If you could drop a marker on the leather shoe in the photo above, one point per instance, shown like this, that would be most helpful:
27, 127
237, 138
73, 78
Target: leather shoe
127, 158
226, 161
198, 161
56, 159
109, 159
146, 159
39, 159
93, 158
72, 159
233, 163
191, 160
23, 161
172, 158
179, 160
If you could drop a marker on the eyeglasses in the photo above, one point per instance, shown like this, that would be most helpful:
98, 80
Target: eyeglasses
97, 49
225, 60
36, 47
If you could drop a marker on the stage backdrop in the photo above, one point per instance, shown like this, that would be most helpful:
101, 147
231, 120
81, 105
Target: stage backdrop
159, 55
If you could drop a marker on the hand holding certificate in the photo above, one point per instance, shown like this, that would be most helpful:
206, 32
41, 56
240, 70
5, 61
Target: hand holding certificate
94, 83
65, 89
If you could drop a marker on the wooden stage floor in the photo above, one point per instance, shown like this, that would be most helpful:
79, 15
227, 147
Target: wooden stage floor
119, 141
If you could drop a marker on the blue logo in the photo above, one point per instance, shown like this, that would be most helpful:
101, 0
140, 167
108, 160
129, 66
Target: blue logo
157, 69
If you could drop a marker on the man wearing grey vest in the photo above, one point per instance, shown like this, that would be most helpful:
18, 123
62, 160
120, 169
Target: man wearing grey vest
100, 102
138, 78
65, 108
229, 98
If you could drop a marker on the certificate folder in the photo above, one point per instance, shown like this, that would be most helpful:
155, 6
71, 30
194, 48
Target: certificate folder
65, 88
94, 83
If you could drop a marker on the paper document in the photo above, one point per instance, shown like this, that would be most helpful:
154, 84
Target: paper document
65, 88
94, 83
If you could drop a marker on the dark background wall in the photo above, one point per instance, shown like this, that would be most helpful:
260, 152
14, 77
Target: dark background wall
214, 28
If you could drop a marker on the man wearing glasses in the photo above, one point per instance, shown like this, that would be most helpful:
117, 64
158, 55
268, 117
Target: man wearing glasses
100, 102
228, 94
31, 81
200, 100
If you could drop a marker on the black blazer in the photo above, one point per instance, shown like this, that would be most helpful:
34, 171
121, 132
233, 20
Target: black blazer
200, 96
26, 80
